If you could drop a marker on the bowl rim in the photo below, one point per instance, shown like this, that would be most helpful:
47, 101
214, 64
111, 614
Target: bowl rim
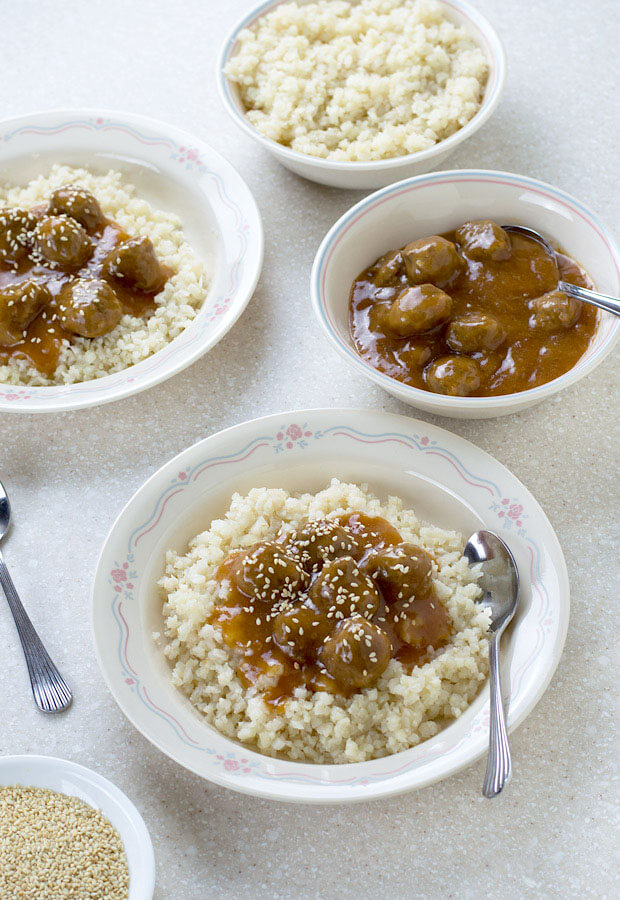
133, 818
66, 397
496, 56
295, 773
361, 208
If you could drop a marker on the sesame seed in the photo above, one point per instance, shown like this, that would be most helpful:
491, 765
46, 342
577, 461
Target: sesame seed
91, 863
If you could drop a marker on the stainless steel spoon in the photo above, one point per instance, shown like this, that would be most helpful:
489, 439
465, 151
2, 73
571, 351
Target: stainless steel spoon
50, 690
500, 593
604, 301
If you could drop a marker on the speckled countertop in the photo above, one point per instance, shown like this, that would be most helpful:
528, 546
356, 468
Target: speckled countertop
551, 834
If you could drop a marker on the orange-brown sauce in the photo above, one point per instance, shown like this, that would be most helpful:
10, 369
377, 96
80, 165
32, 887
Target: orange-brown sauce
248, 632
44, 337
525, 359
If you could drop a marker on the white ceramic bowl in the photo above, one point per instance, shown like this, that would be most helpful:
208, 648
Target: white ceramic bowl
374, 174
449, 481
439, 202
174, 171
77, 781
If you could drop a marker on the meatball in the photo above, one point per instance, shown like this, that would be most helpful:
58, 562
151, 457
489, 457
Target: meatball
370, 531
377, 315
62, 242
299, 631
266, 574
342, 590
16, 227
457, 376
388, 268
356, 654
414, 356
489, 364
431, 260
78, 204
88, 307
418, 309
401, 571
475, 332
483, 240
135, 263
319, 542
423, 623
554, 311
20, 304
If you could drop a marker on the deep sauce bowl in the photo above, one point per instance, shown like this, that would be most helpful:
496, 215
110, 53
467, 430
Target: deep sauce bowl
435, 204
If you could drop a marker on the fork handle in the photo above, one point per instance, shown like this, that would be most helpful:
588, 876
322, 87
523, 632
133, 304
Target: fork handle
50, 690
499, 766
604, 301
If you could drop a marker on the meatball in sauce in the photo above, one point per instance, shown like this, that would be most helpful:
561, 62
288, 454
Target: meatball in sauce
67, 272
474, 312
328, 606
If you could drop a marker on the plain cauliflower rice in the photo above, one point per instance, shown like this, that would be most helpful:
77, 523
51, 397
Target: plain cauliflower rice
399, 712
134, 338
358, 81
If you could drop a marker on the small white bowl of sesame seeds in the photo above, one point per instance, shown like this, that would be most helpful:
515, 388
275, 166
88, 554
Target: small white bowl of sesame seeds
44, 796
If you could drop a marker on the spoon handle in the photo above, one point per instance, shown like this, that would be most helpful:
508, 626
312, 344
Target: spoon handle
499, 767
604, 301
50, 690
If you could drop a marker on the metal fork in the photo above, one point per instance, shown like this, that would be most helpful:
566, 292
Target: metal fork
50, 690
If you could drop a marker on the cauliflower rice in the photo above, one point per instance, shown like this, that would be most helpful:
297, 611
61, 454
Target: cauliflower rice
361, 81
399, 712
134, 338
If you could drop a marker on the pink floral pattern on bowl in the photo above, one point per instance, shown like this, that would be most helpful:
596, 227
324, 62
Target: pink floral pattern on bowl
188, 157
242, 766
12, 394
293, 435
511, 513
122, 578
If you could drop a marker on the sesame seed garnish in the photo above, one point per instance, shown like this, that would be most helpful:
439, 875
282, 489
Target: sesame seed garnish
91, 863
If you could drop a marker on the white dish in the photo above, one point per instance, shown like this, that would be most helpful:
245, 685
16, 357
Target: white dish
437, 203
448, 481
77, 781
377, 173
174, 171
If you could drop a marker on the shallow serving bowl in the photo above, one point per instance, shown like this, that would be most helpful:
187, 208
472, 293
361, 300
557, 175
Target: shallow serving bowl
69, 778
174, 171
437, 203
345, 174
449, 482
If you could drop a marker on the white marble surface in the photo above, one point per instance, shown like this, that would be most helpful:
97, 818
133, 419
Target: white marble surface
551, 833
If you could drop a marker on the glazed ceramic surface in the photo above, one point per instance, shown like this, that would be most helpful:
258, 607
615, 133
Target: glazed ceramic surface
448, 481
77, 781
377, 173
436, 203
174, 171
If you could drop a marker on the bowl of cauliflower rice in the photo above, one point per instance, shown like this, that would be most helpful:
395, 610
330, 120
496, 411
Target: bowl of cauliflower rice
361, 93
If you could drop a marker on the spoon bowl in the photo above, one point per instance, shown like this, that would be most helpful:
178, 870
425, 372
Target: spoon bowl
5, 512
499, 581
500, 577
